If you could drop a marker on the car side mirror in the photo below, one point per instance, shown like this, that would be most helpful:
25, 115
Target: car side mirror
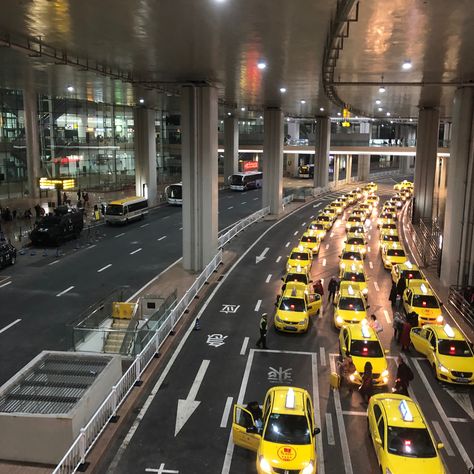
317, 431
252, 429
377, 440
440, 445
441, 303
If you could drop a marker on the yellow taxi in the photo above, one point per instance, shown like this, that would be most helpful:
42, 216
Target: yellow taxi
373, 200
396, 201
367, 208
356, 229
285, 436
389, 207
309, 241
354, 220
362, 343
448, 353
343, 201
318, 229
401, 437
392, 254
418, 297
325, 220
371, 187
336, 207
294, 308
387, 228
405, 184
350, 305
298, 275
359, 212
356, 274
356, 242
348, 257
300, 257
386, 218
389, 238
352, 197
407, 271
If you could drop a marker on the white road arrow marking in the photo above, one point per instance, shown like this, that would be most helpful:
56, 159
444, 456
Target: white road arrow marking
317, 205
187, 407
463, 399
260, 257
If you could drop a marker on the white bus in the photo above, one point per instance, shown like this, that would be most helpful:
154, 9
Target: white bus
174, 194
245, 181
125, 210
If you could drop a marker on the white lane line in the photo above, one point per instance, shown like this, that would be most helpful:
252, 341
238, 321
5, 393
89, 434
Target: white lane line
327, 246
322, 356
161, 469
269, 277
287, 244
53, 263
317, 415
104, 268
376, 286
5, 284
90, 247
10, 325
255, 199
244, 346
331, 235
387, 316
368, 248
161, 238
243, 388
442, 413
346, 455
65, 291
442, 437
354, 413
371, 265
311, 217
119, 235
324, 262
459, 420
166, 217
330, 430
296, 233
278, 259
145, 225
243, 202
317, 205
135, 251
225, 415
370, 237
303, 224
230, 207
257, 306
180, 228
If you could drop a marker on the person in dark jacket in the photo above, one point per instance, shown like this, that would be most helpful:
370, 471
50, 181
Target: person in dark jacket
405, 336
332, 288
318, 288
366, 389
401, 286
403, 378
263, 331
393, 294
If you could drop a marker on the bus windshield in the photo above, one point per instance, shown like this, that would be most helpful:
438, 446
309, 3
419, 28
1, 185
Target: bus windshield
236, 180
114, 210
175, 191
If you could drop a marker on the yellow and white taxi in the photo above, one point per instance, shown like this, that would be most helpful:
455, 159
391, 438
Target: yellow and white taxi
285, 437
390, 208
318, 229
326, 220
407, 271
298, 275
309, 241
401, 437
371, 187
352, 197
356, 229
350, 305
389, 238
386, 218
373, 200
336, 207
362, 343
418, 297
294, 308
355, 274
300, 257
405, 184
367, 208
387, 228
392, 254
354, 221
447, 351
356, 242
359, 212
348, 257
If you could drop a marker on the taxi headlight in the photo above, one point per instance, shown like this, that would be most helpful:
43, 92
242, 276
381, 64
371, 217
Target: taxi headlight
385, 373
443, 369
439, 319
308, 469
278, 319
303, 321
365, 291
339, 320
265, 465
343, 265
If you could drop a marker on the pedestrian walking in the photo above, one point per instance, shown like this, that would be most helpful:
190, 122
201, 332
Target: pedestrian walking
64, 198
401, 286
403, 378
375, 324
412, 319
263, 331
346, 369
405, 336
332, 288
393, 294
366, 388
398, 321
79, 194
318, 288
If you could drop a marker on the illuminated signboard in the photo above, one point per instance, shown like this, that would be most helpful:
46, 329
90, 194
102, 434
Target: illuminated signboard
250, 165
58, 183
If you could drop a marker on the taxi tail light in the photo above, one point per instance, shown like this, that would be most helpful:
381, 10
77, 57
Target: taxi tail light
452, 350
292, 306
365, 350
424, 303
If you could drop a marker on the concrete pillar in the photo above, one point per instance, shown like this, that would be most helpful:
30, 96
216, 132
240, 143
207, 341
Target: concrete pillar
292, 164
33, 160
145, 154
348, 168
363, 167
273, 160
404, 164
231, 147
321, 157
337, 164
446, 133
199, 172
294, 130
425, 165
457, 266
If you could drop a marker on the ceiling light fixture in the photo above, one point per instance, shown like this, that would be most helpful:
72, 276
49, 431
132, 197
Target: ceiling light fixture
321, 109
282, 90
380, 109
378, 101
388, 114
242, 109
262, 65
70, 89
303, 101
411, 120
406, 66
141, 101
382, 89
288, 119
229, 113
339, 113
261, 117
391, 121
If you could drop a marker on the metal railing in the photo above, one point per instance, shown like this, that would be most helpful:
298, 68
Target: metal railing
458, 301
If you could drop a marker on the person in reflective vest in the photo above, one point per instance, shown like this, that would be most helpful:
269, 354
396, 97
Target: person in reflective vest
263, 331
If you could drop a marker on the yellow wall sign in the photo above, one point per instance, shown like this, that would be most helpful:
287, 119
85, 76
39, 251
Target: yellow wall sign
61, 183
345, 123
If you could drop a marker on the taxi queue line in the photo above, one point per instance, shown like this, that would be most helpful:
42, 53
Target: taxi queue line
396, 424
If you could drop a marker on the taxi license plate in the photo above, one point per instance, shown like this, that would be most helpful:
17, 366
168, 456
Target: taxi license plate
462, 380
291, 328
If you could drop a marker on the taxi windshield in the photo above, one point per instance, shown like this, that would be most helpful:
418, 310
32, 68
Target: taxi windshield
299, 256
351, 304
309, 239
354, 276
389, 226
316, 227
354, 219
287, 429
366, 349
411, 275
324, 218
410, 442
300, 277
454, 348
425, 301
351, 256
395, 253
356, 229
292, 304
355, 241
391, 238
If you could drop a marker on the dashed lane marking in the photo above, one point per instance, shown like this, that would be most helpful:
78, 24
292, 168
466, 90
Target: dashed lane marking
330, 430
278, 259
5, 284
166, 217
90, 247
257, 306
255, 199
244, 346
459, 420
180, 228
119, 235
230, 207
225, 415
331, 235
135, 251
327, 246
354, 413
322, 356
8, 326
311, 217
161, 238
145, 225
368, 248
303, 224
324, 262
387, 316
296, 233
287, 244
104, 268
371, 265
243, 202
65, 291
269, 277
376, 286
54, 262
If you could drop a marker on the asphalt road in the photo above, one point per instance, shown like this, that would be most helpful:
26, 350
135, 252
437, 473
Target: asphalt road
42, 295
218, 366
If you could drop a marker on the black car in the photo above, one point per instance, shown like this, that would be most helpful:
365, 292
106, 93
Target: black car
53, 229
7, 254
